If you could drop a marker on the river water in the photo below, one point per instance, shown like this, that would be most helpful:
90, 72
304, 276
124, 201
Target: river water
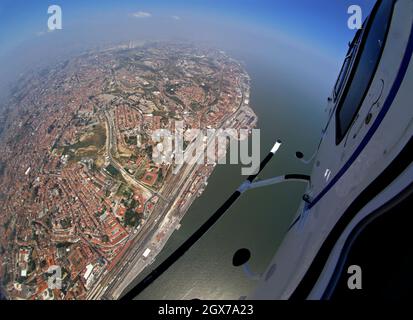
288, 110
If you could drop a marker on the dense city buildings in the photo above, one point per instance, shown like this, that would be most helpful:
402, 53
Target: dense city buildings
79, 189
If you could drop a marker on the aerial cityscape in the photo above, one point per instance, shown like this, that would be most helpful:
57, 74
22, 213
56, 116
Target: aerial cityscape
79, 188
193, 159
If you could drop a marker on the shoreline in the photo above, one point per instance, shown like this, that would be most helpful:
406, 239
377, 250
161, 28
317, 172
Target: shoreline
136, 271
173, 198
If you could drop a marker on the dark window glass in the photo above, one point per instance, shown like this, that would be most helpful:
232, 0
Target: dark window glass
365, 67
346, 65
342, 77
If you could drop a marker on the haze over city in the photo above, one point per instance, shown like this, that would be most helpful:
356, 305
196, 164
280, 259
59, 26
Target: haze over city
78, 108
292, 34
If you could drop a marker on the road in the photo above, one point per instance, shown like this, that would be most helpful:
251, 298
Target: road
112, 283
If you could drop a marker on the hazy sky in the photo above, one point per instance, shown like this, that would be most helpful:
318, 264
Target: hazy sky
318, 27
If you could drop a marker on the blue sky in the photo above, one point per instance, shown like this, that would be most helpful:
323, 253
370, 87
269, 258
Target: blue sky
318, 22
308, 37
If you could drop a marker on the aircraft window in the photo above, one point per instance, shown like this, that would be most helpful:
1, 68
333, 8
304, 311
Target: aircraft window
341, 77
346, 65
365, 67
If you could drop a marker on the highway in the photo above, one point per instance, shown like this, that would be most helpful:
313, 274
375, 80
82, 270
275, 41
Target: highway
112, 283
174, 188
